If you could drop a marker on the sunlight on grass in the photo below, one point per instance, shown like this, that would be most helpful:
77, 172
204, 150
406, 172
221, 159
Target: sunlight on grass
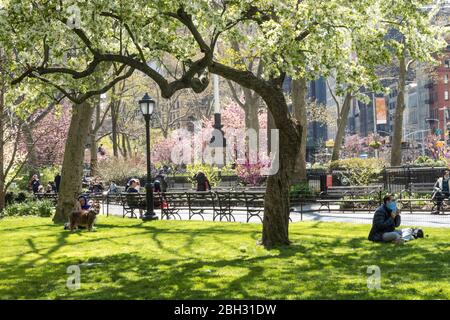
128, 259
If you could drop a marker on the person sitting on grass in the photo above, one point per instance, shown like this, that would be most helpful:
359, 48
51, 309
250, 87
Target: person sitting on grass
81, 204
385, 220
84, 203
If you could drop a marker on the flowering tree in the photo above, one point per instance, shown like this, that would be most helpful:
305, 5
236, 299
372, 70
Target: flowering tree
233, 118
50, 136
354, 145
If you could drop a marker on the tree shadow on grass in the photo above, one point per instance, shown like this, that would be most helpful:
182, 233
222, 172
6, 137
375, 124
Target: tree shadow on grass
320, 267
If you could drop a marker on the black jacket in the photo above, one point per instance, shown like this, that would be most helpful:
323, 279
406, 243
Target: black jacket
382, 223
202, 182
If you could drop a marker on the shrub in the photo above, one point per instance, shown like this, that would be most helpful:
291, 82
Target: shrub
42, 208
17, 197
359, 171
120, 170
425, 161
250, 173
301, 189
212, 173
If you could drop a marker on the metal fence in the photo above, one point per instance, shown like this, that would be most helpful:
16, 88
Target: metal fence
394, 179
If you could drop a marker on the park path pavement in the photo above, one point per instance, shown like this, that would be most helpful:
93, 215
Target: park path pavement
415, 219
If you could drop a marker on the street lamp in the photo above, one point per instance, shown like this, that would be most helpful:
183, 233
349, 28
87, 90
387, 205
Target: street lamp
147, 104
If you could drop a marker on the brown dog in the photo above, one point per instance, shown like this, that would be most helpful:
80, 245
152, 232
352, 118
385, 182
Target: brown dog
84, 218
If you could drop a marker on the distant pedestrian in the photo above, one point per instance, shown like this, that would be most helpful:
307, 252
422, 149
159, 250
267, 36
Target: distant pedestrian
101, 150
202, 182
49, 188
57, 181
113, 187
133, 186
160, 183
34, 184
442, 190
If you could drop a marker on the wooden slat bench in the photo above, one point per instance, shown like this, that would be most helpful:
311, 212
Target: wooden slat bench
337, 194
174, 203
131, 202
199, 201
53, 197
418, 188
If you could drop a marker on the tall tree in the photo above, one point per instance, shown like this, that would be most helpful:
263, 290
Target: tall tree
291, 37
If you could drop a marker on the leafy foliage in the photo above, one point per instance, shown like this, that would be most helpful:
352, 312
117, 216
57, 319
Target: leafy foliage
250, 173
121, 170
42, 208
213, 173
358, 171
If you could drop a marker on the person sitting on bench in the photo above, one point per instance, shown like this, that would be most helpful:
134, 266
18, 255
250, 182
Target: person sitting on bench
442, 190
385, 220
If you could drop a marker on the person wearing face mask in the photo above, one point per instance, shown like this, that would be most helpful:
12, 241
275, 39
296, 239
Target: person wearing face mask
385, 220
442, 190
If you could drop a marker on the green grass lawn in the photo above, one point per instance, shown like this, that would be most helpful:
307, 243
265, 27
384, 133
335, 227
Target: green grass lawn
128, 259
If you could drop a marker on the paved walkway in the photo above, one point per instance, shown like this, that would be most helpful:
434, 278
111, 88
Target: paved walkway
418, 219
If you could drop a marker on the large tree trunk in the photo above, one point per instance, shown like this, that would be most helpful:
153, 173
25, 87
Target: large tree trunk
72, 168
114, 118
277, 204
124, 146
342, 124
93, 151
299, 92
250, 108
31, 151
130, 151
2, 159
396, 150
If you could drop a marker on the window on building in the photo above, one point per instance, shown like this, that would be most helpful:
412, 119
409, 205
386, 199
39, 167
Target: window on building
447, 64
446, 95
446, 78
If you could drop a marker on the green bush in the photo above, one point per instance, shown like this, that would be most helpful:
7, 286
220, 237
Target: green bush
213, 173
425, 161
42, 208
301, 189
17, 197
359, 171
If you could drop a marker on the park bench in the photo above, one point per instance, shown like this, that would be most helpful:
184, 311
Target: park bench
254, 200
229, 203
199, 201
222, 204
418, 188
53, 197
346, 195
174, 203
112, 199
131, 202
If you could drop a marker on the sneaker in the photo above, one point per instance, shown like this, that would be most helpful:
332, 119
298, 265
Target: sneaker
399, 241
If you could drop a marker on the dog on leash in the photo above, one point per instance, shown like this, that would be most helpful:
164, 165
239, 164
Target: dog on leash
84, 218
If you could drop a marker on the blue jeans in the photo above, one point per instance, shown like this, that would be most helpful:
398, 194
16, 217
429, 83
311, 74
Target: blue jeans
391, 236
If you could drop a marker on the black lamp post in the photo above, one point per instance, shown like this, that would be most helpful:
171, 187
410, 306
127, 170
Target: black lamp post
147, 105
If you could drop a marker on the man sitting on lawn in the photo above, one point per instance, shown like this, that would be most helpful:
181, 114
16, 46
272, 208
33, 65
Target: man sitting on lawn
385, 220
